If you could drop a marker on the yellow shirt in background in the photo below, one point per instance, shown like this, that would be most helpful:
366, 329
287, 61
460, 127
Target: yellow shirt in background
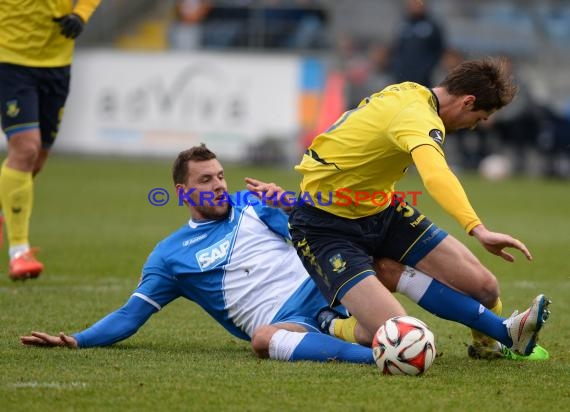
30, 37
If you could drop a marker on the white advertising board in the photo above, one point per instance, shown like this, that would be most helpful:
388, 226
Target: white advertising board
158, 104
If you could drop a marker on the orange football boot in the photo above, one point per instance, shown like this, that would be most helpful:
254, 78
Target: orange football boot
25, 266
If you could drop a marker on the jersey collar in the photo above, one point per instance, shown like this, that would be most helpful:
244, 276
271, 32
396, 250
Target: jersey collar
197, 223
434, 101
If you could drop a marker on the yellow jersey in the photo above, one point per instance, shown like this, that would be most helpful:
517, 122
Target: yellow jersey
30, 37
351, 169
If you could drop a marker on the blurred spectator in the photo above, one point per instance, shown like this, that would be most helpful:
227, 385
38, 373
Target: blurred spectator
192, 11
379, 60
553, 142
185, 33
419, 46
294, 24
274, 24
355, 67
518, 126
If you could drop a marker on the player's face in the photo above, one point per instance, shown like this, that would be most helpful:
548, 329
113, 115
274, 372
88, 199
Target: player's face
208, 185
470, 120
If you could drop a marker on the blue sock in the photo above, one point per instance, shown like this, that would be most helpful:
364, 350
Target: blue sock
449, 304
320, 347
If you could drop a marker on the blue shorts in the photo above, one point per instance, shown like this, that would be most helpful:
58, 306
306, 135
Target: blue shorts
33, 97
303, 307
338, 252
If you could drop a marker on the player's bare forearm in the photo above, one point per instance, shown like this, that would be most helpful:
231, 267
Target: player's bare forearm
46, 340
496, 243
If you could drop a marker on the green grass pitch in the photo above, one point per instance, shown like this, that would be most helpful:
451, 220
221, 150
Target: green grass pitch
95, 228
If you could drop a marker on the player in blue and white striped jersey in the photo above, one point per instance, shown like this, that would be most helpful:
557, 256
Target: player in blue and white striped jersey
234, 259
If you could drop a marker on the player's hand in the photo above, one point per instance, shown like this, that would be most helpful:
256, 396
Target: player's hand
270, 193
43, 339
496, 243
71, 25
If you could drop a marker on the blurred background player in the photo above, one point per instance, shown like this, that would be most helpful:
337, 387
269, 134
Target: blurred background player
419, 46
36, 50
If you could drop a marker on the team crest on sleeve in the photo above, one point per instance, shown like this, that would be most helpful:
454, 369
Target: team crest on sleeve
338, 263
437, 136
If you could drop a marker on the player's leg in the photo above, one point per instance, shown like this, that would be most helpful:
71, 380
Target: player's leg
519, 332
380, 305
414, 240
453, 264
40, 161
293, 342
447, 303
20, 121
336, 253
349, 328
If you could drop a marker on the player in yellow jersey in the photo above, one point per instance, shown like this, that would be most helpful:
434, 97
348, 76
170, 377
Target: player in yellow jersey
36, 49
351, 166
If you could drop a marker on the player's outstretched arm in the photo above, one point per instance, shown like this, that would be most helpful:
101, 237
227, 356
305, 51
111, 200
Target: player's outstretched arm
113, 328
446, 190
43, 339
496, 243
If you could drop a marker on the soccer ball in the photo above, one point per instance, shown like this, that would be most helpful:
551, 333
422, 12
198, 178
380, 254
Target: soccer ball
403, 346
496, 167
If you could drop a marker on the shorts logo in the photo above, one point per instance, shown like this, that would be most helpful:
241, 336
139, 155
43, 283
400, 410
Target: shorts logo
437, 136
12, 109
338, 263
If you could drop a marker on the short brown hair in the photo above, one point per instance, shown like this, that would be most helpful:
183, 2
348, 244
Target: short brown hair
489, 80
180, 166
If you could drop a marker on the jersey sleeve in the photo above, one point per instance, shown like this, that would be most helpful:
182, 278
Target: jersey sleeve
116, 326
275, 219
153, 293
155, 262
444, 186
416, 126
85, 8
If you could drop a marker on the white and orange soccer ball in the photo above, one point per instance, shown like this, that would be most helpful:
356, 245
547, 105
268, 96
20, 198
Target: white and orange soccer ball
403, 345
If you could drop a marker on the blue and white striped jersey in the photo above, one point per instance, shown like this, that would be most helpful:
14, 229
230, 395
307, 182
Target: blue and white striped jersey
242, 270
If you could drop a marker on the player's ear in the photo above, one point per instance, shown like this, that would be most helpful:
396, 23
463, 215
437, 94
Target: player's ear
469, 102
181, 192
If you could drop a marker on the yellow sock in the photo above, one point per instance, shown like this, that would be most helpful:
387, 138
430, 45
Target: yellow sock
16, 197
344, 329
481, 338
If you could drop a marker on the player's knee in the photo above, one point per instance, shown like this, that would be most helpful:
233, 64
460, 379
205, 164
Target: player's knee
24, 150
260, 340
40, 161
487, 286
388, 272
489, 289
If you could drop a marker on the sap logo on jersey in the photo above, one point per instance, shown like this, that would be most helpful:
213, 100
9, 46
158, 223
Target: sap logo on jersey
215, 254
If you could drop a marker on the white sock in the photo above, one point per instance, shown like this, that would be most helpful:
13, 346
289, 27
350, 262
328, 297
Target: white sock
413, 283
283, 344
17, 250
